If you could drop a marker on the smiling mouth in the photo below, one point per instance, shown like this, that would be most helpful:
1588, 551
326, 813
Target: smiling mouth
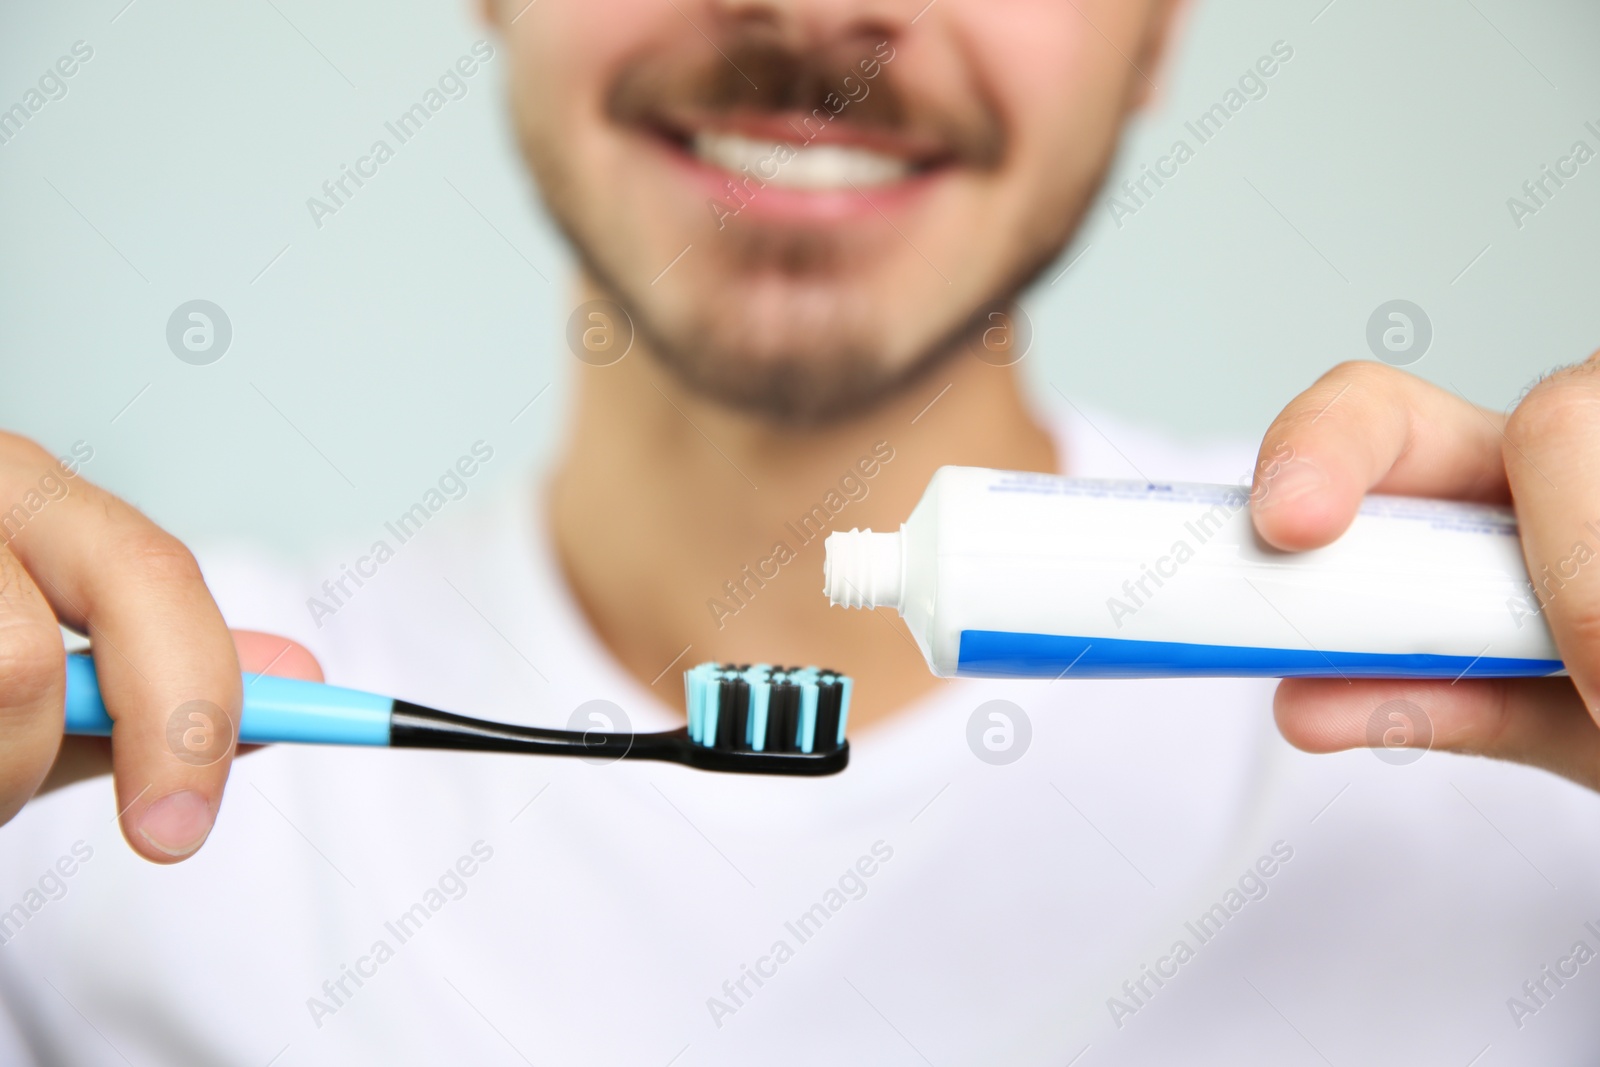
792, 153
816, 167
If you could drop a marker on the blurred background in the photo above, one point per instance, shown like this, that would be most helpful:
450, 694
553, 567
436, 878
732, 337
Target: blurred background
369, 348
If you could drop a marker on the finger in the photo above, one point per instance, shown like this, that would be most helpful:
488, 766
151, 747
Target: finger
1552, 458
263, 653
33, 681
1366, 427
1540, 722
259, 653
165, 661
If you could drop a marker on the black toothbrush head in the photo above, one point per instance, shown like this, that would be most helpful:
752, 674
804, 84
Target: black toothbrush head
761, 719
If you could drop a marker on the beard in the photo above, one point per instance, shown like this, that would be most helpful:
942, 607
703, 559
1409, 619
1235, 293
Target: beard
788, 344
798, 357
781, 333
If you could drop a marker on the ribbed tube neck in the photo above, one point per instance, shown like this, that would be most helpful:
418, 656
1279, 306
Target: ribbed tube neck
863, 569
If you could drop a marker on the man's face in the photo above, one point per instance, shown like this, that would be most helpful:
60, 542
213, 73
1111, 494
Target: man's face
801, 203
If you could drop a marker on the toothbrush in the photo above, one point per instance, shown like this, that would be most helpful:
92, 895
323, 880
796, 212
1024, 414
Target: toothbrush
750, 719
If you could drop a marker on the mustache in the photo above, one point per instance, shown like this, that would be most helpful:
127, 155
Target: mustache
752, 71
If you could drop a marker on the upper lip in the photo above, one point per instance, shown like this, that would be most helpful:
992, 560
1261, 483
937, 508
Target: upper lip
792, 128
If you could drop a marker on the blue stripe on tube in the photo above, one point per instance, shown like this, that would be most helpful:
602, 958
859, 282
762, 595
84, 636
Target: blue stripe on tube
995, 654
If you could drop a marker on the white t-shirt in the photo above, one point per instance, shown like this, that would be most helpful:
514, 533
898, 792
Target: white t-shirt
1159, 879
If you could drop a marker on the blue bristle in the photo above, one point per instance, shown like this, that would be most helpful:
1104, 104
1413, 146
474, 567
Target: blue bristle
701, 692
757, 677
808, 714
713, 707
691, 703
845, 686
688, 701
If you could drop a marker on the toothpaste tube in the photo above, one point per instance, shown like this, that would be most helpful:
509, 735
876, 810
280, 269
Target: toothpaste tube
1014, 575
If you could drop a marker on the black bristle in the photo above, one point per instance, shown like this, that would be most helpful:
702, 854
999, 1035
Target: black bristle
725, 703
736, 709
783, 716
827, 735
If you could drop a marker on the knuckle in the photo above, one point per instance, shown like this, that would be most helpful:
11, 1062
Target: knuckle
33, 663
1559, 406
23, 452
1353, 379
1363, 372
1581, 626
1353, 389
159, 557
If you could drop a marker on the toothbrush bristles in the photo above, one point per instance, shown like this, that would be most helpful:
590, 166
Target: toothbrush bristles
761, 708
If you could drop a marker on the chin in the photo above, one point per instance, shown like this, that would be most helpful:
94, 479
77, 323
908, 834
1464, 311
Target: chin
808, 359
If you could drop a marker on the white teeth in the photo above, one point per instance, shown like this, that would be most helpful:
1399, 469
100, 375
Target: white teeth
799, 166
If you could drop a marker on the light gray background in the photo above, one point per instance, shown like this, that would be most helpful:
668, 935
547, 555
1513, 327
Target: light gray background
368, 354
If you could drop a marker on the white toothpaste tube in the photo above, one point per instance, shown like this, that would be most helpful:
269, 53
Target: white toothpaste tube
1005, 574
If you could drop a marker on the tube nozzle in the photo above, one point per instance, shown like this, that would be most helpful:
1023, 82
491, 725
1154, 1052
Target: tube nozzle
863, 569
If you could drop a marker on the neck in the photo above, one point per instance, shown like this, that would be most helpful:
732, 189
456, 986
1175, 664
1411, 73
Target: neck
679, 522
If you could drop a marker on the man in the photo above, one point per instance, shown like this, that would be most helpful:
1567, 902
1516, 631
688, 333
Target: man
797, 221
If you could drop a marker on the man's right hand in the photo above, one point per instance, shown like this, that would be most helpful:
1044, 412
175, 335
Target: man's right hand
72, 554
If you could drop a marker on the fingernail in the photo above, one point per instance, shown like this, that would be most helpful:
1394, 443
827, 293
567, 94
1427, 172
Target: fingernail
178, 823
1293, 480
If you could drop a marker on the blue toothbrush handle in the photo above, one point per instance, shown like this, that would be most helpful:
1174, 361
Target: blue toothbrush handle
275, 710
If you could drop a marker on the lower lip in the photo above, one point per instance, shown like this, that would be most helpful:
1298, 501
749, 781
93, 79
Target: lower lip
784, 204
